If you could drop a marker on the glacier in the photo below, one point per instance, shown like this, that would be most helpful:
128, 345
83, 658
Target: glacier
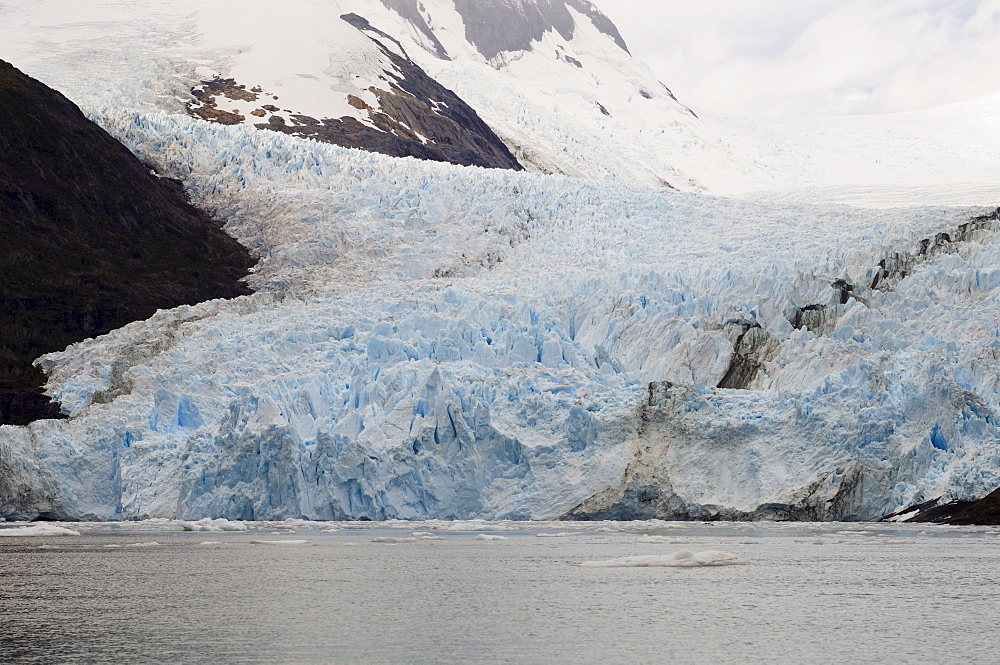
430, 341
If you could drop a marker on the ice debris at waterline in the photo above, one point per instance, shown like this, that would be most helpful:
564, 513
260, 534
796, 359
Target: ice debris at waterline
682, 559
431, 341
41, 530
655, 540
208, 524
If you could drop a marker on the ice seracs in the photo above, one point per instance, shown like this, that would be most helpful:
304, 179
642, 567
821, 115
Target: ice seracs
454, 343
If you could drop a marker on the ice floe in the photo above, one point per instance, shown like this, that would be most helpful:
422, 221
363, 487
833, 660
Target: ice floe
682, 559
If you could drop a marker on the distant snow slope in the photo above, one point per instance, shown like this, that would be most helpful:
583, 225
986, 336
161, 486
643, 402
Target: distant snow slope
436, 341
948, 155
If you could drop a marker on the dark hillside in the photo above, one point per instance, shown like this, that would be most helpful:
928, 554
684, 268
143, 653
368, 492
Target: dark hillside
986, 511
90, 239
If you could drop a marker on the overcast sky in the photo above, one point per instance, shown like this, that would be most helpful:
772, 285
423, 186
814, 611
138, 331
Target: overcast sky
816, 57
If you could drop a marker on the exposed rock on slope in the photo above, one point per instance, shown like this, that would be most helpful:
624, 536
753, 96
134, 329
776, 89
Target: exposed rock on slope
499, 27
986, 511
406, 113
90, 239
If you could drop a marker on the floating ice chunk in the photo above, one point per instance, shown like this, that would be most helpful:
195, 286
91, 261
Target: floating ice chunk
655, 539
426, 535
208, 524
293, 524
396, 541
682, 559
208, 543
486, 536
39, 531
475, 526
279, 542
564, 534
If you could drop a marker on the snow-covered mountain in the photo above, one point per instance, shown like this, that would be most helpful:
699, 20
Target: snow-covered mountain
430, 340
552, 78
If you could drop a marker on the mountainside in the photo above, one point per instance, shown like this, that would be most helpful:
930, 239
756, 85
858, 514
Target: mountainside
376, 99
552, 80
89, 239
544, 84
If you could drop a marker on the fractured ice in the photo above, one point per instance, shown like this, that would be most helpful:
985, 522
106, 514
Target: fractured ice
430, 341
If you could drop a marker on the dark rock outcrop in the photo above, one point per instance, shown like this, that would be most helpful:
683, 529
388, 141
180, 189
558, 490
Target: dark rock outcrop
411, 11
751, 348
985, 512
896, 267
90, 239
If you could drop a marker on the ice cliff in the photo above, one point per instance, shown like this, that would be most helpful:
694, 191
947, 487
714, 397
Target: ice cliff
438, 341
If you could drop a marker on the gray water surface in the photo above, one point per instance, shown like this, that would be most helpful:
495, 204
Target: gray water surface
812, 593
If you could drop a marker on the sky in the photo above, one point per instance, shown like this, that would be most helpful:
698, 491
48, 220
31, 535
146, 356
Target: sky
816, 57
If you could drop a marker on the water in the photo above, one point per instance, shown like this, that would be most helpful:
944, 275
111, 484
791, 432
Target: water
813, 594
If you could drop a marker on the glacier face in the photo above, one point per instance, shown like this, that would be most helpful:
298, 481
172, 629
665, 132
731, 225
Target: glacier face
430, 341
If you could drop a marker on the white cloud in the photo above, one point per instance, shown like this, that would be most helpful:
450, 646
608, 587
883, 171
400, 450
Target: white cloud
815, 57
